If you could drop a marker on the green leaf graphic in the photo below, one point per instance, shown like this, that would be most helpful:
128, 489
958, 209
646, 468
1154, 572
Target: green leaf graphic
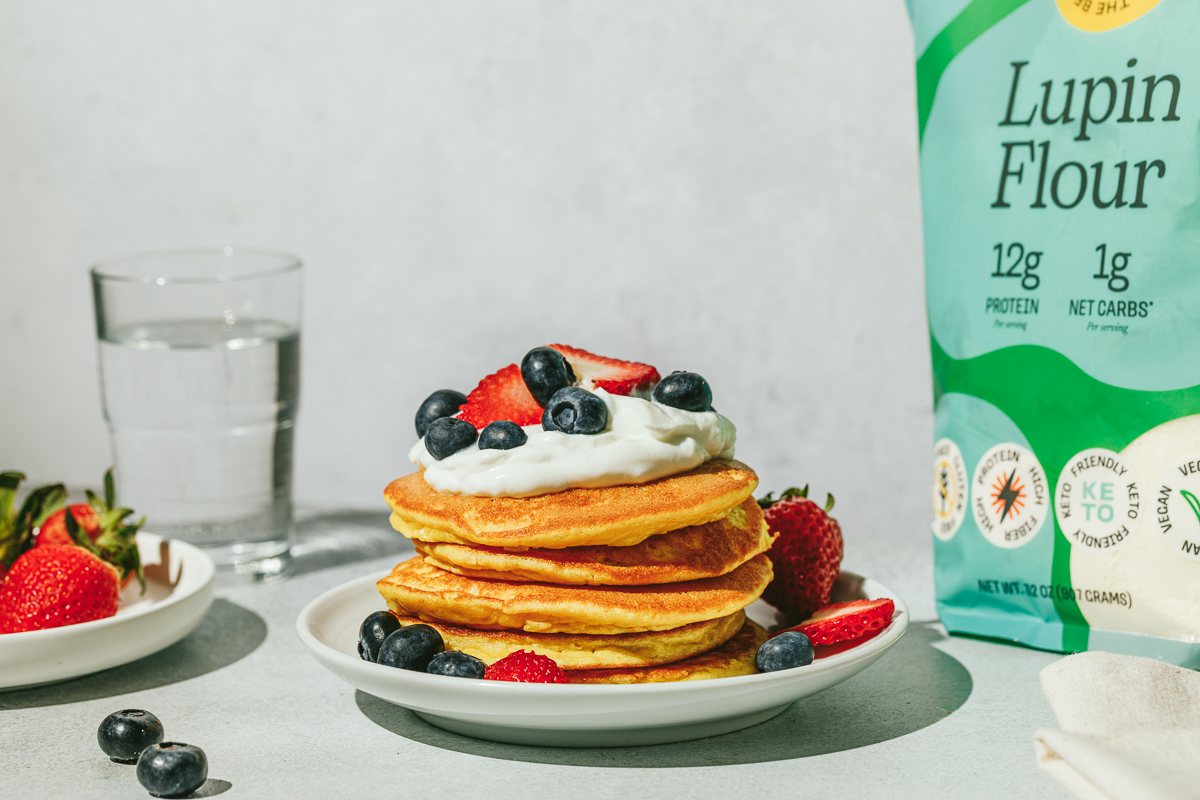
1193, 501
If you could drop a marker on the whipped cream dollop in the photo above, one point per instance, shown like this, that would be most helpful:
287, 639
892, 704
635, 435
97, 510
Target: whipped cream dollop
642, 442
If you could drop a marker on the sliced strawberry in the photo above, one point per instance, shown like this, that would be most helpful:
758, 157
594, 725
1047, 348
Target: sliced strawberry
827, 650
501, 395
613, 376
842, 622
504, 396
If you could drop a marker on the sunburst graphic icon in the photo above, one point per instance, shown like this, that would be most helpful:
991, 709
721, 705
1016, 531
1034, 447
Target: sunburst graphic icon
1007, 495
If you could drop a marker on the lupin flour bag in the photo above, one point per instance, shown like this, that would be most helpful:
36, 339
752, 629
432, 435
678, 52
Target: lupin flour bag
1060, 178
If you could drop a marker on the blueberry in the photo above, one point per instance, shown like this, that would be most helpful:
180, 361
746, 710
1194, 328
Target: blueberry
442, 403
787, 650
502, 435
545, 372
446, 436
456, 664
411, 647
374, 629
575, 410
172, 769
123, 735
685, 390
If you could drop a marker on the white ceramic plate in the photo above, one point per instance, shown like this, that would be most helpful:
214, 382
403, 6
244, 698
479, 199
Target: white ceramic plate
574, 715
179, 590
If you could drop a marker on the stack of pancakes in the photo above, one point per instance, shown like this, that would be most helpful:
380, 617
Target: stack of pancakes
626, 584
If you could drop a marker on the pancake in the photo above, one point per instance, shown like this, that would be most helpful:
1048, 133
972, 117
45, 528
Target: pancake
735, 657
698, 551
579, 651
617, 515
416, 588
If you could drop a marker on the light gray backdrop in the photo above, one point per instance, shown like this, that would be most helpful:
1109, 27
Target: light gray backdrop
726, 187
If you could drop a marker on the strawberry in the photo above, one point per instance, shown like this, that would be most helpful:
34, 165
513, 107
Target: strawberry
807, 555
842, 622
57, 585
17, 530
54, 529
501, 395
526, 666
615, 377
99, 528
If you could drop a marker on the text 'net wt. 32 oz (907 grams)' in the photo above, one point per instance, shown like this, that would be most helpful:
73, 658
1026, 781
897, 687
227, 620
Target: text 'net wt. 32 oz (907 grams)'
1060, 176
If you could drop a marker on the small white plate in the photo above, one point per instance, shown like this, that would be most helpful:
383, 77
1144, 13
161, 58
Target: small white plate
179, 590
575, 715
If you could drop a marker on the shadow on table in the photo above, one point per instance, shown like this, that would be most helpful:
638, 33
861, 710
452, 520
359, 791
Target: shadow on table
334, 538
911, 688
211, 788
227, 634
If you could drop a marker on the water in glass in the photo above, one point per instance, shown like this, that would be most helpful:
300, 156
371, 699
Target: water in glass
202, 415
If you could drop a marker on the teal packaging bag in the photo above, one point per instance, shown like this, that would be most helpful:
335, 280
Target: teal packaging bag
1060, 180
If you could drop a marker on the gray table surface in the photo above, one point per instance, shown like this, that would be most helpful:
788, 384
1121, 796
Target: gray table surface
938, 717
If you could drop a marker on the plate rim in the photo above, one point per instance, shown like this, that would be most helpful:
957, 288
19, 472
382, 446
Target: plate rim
876, 646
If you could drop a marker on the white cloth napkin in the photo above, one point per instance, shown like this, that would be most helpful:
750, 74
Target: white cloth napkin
1130, 728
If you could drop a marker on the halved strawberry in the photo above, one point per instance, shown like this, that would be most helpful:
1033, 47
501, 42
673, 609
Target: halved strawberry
501, 395
504, 396
842, 622
613, 376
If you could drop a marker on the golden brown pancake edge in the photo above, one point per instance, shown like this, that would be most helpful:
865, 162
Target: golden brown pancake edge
581, 651
735, 657
419, 589
616, 515
698, 551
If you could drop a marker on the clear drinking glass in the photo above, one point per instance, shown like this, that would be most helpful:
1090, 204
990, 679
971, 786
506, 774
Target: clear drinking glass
200, 377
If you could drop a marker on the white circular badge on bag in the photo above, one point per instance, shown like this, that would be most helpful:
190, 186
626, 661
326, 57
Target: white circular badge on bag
1009, 496
1098, 501
949, 489
1176, 506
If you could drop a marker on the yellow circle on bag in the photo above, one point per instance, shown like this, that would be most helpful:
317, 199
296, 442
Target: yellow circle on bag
1103, 15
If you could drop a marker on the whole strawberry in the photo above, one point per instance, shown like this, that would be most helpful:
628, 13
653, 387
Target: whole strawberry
57, 585
807, 555
54, 529
93, 517
525, 666
100, 528
17, 527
